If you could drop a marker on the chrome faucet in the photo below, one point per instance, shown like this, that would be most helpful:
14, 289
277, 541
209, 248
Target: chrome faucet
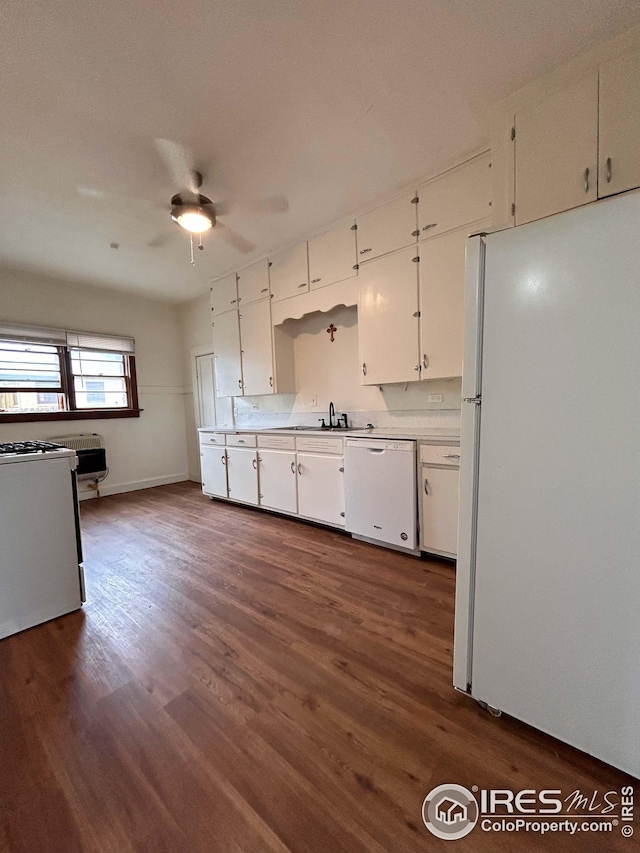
332, 414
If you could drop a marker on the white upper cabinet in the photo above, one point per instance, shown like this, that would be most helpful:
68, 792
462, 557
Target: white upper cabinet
253, 282
456, 198
388, 319
289, 272
332, 256
619, 136
556, 151
390, 226
442, 278
256, 345
226, 346
224, 294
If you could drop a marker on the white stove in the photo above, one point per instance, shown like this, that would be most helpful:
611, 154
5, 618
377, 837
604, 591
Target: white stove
41, 573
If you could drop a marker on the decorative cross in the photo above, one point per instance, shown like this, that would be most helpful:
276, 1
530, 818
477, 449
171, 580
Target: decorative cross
331, 331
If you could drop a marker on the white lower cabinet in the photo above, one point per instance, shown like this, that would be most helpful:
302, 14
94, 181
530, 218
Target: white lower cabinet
214, 471
242, 474
278, 486
439, 479
321, 487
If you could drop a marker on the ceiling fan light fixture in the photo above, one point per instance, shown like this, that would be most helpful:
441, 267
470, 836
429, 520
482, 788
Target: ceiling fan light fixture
193, 218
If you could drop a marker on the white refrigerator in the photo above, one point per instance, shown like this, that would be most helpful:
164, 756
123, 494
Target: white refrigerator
548, 579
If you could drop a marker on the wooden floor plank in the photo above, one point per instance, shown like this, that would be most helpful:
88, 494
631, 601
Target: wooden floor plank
243, 682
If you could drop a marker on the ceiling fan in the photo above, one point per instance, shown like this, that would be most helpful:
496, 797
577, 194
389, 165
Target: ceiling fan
196, 213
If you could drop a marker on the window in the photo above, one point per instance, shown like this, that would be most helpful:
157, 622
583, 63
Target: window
52, 375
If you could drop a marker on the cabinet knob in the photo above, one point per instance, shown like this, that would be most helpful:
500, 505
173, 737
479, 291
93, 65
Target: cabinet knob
364, 369
586, 180
430, 225
426, 486
271, 381
341, 470
418, 367
299, 468
341, 515
293, 467
304, 284
425, 361
315, 280
264, 290
364, 251
608, 170
224, 460
254, 463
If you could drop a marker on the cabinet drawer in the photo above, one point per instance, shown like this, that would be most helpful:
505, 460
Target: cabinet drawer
320, 445
241, 441
440, 454
207, 438
277, 442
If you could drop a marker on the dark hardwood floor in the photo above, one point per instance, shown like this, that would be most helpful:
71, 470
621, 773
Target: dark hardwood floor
243, 682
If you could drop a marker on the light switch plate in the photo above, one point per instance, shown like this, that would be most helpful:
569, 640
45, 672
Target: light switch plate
435, 398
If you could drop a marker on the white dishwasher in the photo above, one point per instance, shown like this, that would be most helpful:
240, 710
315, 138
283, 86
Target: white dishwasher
380, 492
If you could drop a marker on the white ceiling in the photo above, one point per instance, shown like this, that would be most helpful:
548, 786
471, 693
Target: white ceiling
335, 103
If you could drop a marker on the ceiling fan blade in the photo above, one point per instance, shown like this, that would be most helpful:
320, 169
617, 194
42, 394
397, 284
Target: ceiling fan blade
159, 241
234, 239
223, 208
179, 161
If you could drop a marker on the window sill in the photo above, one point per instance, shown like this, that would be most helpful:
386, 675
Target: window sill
83, 415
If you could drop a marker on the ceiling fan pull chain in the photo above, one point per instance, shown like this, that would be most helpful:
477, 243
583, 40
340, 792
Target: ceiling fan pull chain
193, 263
200, 246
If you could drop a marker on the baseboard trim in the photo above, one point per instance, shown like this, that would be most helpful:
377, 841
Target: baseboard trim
120, 488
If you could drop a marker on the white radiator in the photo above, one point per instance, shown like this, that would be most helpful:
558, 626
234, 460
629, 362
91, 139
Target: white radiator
81, 441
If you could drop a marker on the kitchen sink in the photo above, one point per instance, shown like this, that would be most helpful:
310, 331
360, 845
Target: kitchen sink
315, 429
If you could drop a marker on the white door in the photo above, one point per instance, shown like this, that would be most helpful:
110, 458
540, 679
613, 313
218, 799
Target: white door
278, 488
387, 228
333, 256
321, 487
256, 343
619, 131
224, 294
289, 272
253, 282
214, 471
226, 345
442, 277
556, 152
242, 474
458, 197
388, 319
439, 517
205, 390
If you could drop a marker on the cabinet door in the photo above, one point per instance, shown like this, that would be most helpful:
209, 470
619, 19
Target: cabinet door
556, 152
442, 277
439, 527
321, 487
224, 294
456, 198
278, 488
253, 282
388, 319
205, 390
242, 474
289, 272
214, 471
255, 339
619, 131
226, 346
390, 226
332, 256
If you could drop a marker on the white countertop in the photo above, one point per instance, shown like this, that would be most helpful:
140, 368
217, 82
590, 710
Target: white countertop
407, 433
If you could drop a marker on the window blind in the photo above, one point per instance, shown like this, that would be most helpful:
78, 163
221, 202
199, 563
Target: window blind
61, 337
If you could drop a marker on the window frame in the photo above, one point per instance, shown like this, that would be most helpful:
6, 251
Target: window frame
67, 390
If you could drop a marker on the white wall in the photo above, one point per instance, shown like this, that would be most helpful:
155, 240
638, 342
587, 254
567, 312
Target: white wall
141, 452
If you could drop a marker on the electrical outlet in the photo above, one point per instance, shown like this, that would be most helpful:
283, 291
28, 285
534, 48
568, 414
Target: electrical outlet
435, 398
314, 401
255, 406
